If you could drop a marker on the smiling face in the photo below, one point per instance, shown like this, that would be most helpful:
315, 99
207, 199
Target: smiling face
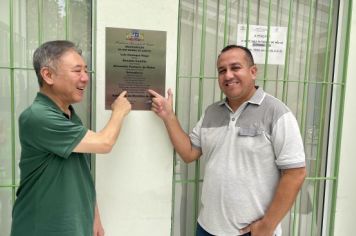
66, 80
236, 76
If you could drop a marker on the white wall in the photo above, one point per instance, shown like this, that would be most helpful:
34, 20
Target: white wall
346, 195
134, 181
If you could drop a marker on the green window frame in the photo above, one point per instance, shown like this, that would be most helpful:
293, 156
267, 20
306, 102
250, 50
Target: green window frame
24, 25
307, 82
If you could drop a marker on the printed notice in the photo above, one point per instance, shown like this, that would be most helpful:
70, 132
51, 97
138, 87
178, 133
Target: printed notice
257, 40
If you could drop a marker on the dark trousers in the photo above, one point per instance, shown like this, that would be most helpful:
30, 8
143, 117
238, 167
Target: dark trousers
202, 232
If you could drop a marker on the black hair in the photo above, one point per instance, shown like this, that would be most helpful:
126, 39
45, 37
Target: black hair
245, 49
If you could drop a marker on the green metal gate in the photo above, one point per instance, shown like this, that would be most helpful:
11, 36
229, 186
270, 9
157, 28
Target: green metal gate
24, 25
308, 79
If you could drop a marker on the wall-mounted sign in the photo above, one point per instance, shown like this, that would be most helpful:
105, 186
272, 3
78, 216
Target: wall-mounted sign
135, 62
257, 40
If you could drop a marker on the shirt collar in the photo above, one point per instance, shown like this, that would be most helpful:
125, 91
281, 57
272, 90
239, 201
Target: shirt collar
44, 99
257, 97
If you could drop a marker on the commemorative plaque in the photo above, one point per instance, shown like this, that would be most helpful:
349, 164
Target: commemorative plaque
135, 62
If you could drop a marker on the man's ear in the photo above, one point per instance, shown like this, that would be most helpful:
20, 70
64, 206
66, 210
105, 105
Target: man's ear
47, 75
253, 71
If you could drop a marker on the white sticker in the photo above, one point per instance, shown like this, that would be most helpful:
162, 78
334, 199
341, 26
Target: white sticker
257, 40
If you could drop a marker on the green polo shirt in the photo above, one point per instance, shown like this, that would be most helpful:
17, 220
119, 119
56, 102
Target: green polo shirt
56, 196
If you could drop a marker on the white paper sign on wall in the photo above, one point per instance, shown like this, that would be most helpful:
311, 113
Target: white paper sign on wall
257, 40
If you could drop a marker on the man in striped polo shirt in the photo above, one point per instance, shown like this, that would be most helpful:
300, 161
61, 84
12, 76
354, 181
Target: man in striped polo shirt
251, 148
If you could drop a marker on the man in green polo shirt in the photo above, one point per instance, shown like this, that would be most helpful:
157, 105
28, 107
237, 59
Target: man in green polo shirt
56, 196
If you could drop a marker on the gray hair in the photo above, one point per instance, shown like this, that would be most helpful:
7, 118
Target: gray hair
49, 53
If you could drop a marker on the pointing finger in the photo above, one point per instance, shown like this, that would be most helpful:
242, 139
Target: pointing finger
170, 96
123, 94
153, 93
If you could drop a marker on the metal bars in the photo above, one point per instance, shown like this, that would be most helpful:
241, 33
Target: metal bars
305, 81
18, 25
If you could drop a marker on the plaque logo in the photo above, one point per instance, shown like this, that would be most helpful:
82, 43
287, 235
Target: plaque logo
135, 35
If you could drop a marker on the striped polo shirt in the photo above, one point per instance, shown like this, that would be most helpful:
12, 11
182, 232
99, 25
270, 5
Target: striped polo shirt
242, 155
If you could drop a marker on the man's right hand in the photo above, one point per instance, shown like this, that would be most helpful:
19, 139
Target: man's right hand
162, 106
103, 140
121, 104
